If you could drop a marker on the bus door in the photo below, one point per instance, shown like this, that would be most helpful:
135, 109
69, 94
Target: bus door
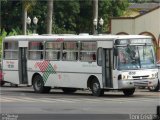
107, 63
23, 76
105, 60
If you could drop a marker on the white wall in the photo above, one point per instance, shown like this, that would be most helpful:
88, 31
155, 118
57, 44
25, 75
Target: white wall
122, 25
149, 22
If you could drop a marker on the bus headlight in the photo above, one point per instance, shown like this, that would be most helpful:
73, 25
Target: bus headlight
125, 77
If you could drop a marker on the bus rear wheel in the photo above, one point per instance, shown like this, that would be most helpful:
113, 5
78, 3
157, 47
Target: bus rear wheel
95, 88
38, 85
128, 92
69, 90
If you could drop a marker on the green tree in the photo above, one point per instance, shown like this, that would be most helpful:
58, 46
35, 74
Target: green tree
73, 16
10, 15
66, 15
108, 9
26, 6
85, 17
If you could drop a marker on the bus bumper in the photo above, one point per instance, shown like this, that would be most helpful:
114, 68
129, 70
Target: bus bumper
146, 83
124, 84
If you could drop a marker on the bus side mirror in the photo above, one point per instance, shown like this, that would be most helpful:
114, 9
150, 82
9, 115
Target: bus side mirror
115, 52
99, 56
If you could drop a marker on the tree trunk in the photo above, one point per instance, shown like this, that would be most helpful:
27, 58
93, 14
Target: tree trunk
24, 18
49, 16
0, 17
95, 14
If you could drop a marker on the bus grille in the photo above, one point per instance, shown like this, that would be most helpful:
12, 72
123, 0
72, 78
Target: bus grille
140, 77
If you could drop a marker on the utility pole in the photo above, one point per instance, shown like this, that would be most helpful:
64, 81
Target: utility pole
24, 17
49, 16
95, 14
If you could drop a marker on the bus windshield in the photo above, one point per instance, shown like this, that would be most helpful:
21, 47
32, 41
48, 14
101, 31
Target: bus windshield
136, 57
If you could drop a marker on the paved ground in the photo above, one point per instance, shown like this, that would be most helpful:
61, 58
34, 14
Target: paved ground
22, 100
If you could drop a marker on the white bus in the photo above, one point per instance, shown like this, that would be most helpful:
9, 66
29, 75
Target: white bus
72, 62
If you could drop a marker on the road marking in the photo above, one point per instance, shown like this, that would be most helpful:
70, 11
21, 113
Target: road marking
57, 100
69, 100
5, 100
13, 99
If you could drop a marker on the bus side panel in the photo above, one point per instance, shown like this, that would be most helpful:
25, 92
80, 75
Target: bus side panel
10, 71
73, 80
64, 73
115, 79
73, 73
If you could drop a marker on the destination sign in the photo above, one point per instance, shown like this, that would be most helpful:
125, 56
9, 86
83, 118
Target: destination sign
133, 41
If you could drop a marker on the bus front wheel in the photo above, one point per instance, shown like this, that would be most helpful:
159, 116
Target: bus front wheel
156, 88
128, 92
95, 88
38, 85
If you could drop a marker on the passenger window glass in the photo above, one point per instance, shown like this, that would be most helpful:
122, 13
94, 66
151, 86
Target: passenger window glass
53, 45
89, 46
35, 55
53, 50
70, 51
35, 50
88, 51
11, 50
11, 45
35, 46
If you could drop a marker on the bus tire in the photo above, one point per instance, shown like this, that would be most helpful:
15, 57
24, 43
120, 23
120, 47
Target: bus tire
38, 85
2, 83
69, 90
128, 92
95, 88
155, 89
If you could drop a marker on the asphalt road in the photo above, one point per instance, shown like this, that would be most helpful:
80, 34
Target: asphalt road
23, 103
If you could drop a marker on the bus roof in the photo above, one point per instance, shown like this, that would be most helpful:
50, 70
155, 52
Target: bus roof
71, 37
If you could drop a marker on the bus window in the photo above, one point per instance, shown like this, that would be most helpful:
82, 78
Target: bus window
35, 45
35, 50
53, 50
70, 51
11, 50
88, 51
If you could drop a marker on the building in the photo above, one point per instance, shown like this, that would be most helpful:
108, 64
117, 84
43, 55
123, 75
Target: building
146, 23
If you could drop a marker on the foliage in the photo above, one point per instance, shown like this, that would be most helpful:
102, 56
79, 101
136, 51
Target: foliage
111, 8
71, 16
3, 34
143, 1
66, 14
29, 4
10, 15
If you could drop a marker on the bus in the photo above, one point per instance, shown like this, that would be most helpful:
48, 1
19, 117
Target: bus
156, 88
70, 62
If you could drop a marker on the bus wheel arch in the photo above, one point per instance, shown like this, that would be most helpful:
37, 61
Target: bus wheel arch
34, 75
38, 84
94, 84
89, 81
